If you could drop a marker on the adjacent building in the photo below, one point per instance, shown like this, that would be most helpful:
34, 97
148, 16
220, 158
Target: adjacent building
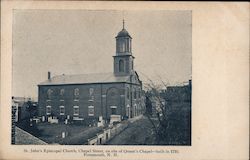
109, 96
178, 96
25, 108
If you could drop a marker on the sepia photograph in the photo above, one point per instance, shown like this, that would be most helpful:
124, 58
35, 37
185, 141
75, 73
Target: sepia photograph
100, 77
124, 80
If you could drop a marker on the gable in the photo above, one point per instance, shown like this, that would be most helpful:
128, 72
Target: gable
134, 78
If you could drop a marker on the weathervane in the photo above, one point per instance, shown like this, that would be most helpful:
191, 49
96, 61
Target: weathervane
123, 22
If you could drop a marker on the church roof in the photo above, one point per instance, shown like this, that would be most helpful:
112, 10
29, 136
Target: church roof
85, 78
123, 33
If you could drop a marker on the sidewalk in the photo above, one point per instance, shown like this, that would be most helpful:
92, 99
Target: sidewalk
138, 132
132, 120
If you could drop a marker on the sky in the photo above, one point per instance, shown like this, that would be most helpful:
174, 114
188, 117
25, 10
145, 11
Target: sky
83, 41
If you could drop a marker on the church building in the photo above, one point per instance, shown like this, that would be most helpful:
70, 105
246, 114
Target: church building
88, 97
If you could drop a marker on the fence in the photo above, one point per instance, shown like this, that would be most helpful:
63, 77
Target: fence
106, 134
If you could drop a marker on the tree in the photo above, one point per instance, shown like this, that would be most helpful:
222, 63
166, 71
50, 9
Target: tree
148, 106
27, 124
174, 123
31, 108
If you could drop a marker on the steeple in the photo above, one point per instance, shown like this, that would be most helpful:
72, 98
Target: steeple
123, 24
123, 41
123, 59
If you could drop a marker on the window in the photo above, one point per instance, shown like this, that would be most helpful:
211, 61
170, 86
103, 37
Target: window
91, 110
62, 92
135, 110
127, 110
62, 110
91, 94
48, 110
76, 93
127, 93
134, 94
127, 46
112, 93
121, 65
113, 110
49, 93
76, 110
123, 47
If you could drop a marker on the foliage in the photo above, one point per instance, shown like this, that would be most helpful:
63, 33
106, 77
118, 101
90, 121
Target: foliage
31, 108
174, 117
26, 122
148, 106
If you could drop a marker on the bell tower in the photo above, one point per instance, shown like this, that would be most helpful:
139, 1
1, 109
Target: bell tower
123, 59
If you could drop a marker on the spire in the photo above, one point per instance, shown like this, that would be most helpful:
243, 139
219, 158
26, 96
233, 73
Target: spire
123, 23
123, 32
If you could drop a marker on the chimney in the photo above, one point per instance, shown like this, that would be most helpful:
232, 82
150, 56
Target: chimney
190, 85
190, 82
49, 75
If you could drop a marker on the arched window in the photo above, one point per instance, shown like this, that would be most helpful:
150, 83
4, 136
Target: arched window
49, 93
127, 45
62, 91
128, 93
76, 93
123, 47
121, 66
135, 94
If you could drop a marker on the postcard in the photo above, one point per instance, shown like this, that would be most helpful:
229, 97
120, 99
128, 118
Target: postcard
124, 80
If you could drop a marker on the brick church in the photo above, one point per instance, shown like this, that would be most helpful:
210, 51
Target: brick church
86, 97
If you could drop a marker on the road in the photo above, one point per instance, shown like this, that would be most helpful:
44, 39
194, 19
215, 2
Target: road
139, 132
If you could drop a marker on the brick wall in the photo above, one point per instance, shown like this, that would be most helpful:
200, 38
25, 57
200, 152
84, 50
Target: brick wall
104, 96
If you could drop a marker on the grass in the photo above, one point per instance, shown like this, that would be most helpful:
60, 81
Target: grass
75, 134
